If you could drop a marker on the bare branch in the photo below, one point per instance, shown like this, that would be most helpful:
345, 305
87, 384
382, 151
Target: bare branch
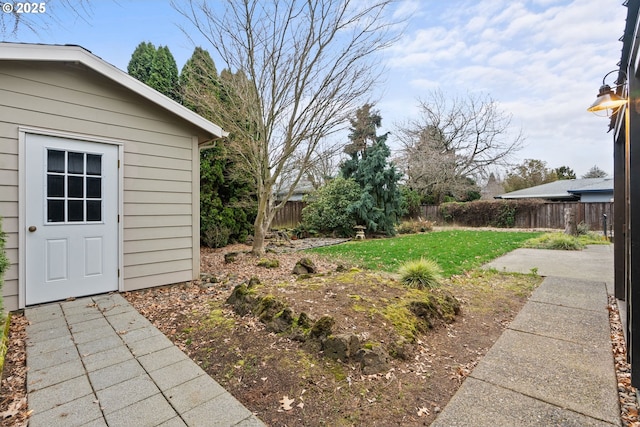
455, 143
14, 20
305, 66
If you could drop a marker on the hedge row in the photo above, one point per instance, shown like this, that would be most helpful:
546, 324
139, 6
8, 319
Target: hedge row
488, 213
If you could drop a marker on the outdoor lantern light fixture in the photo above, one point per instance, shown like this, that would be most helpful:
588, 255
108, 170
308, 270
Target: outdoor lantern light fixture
607, 99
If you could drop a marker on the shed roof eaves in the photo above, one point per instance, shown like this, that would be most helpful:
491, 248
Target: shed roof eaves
77, 54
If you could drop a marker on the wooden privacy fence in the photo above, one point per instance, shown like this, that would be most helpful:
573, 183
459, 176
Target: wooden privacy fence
548, 215
289, 216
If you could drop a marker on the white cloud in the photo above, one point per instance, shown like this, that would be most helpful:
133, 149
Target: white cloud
542, 60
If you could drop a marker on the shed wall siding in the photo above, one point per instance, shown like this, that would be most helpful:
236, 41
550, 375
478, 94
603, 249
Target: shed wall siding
158, 165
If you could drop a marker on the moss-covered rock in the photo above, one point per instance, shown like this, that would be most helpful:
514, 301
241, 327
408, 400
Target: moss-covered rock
441, 306
242, 299
253, 282
230, 257
282, 322
305, 266
304, 321
268, 263
267, 307
341, 347
373, 361
322, 328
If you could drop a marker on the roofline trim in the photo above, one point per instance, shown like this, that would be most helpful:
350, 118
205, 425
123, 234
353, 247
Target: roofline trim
602, 190
538, 196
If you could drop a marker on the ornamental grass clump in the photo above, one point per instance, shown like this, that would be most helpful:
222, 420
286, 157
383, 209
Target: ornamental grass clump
421, 274
559, 241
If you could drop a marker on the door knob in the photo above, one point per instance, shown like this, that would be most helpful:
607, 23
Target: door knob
32, 228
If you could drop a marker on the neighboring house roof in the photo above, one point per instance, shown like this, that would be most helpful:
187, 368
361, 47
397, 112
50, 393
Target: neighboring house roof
564, 189
79, 55
599, 185
303, 188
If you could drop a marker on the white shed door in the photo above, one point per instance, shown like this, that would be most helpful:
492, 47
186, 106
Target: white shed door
71, 218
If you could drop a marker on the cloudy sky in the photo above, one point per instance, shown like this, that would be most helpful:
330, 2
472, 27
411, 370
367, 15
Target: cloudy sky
541, 60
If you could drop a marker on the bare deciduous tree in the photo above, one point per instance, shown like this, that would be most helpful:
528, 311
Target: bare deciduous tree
38, 17
306, 65
324, 165
455, 142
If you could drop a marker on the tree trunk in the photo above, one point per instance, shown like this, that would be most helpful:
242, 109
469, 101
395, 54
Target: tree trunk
570, 226
262, 223
258, 238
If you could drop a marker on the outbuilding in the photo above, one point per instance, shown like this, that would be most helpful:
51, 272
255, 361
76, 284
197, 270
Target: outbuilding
99, 177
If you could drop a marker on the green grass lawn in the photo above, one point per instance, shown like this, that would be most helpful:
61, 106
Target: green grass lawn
455, 251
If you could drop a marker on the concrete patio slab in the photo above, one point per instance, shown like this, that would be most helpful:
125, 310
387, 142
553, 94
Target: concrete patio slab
479, 403
98, 362
553, 365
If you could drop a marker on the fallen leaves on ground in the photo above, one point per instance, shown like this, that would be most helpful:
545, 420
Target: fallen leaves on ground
14, 411
285, 403
627, 393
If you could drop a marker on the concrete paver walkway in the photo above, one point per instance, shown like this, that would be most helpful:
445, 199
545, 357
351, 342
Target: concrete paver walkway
98, 362
553, 365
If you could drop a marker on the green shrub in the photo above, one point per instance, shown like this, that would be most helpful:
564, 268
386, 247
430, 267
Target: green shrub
555, 241
414, 226
411, 201
582, 229
484, 213
593, 238
215, 235
421, 273
330, 208
227, 209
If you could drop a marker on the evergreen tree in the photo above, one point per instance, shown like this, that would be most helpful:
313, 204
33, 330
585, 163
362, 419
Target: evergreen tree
363, 129
140, 62
227, 208
164, 74
199, 83
227, 201
565, 172
380, 204
595, 172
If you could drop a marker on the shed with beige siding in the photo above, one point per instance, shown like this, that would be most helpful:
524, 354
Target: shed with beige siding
99, 177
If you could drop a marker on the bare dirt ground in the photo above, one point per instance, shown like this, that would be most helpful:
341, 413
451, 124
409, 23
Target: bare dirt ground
290, 383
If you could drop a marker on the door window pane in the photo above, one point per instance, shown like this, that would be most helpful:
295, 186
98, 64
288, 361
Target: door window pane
55, 161
55, 210
75, 210
94, 210
76, 163
75, 186
94, 164
55, 186
94, 188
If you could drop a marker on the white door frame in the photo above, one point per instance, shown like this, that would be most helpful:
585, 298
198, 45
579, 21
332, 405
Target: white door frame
22, 198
